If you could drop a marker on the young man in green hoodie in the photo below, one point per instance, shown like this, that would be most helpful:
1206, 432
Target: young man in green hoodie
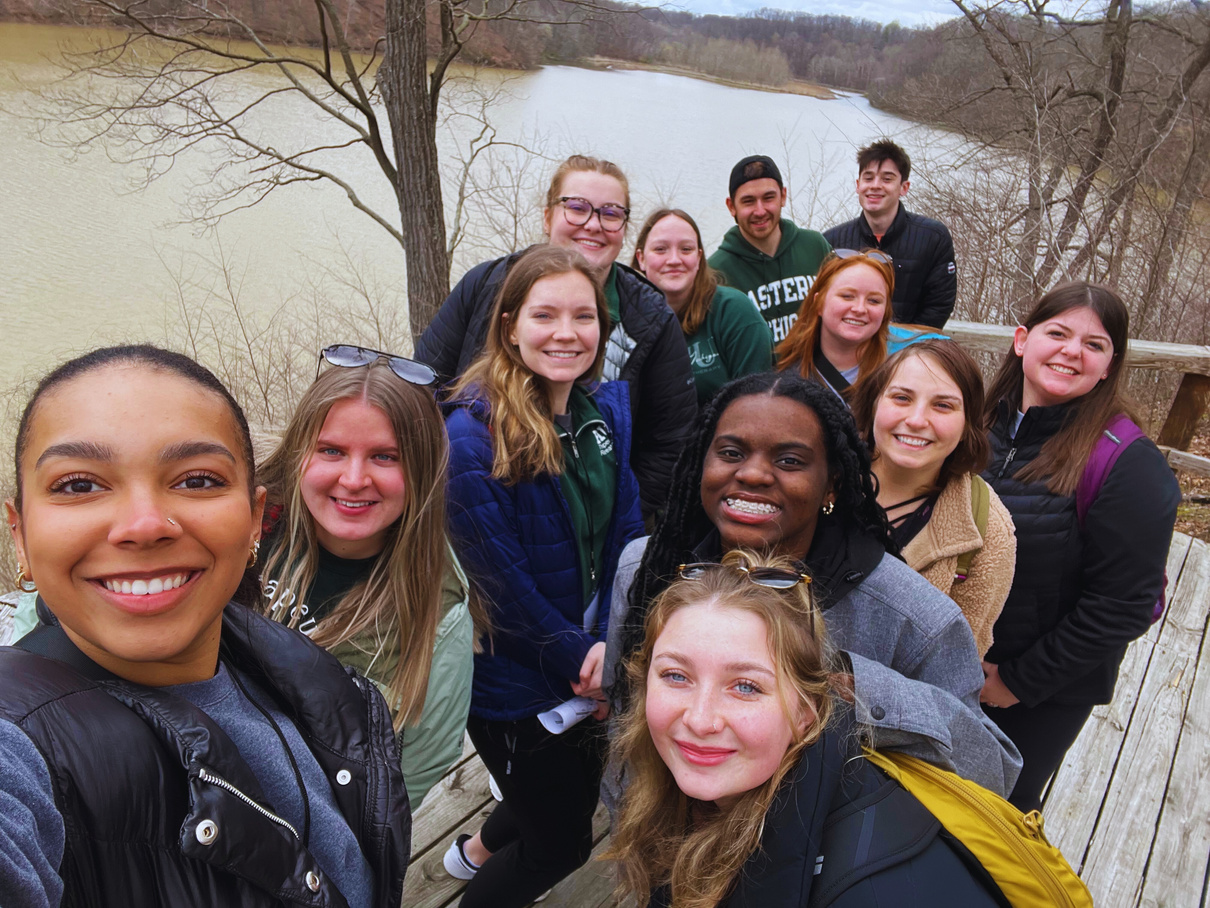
764, 255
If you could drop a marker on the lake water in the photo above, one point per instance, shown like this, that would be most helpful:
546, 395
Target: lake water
86, 259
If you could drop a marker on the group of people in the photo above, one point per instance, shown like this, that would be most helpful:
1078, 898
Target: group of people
764, 535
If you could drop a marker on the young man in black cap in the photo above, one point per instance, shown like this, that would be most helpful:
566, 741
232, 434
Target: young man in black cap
926, 279
771, 259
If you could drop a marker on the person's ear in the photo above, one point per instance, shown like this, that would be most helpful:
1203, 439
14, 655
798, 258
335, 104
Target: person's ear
730, 206
640, 260
547, 213
15, 528
783, 195
510, 331
1019, 340
903, 188
258, 512
807, 714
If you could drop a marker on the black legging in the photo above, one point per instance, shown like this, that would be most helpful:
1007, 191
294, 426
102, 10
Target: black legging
1043, 733
542, 831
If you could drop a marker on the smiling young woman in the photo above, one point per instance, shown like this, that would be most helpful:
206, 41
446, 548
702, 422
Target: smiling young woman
777, 466
921, 414
1086, 584
161, 707
841, 333
587, 210
541, 502
356, 551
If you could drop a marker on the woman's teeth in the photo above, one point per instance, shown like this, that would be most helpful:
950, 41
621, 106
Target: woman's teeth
751, 507
146, 587
563, 354
914, 442
1062, 370
353, 504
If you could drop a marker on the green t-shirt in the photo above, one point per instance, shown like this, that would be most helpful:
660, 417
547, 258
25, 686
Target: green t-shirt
733, 340
589, 483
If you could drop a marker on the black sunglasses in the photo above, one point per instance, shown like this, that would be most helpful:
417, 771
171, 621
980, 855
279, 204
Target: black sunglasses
349, 356
871, 254
773, 578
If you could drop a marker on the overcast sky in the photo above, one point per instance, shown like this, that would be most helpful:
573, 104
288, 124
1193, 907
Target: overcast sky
906, 12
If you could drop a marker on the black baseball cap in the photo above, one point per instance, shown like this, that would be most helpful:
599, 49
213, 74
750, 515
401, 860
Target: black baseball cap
754, 167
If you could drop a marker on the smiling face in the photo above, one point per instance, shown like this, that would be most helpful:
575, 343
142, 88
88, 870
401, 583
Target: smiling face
670, 258
854, 305
765, 476
136, 522
919, 419
713, 704
1063, 358
879, 189
600, 247
353, 484
557, 332
756, 208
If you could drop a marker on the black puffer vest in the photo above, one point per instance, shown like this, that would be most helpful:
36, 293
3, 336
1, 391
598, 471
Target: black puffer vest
143, 779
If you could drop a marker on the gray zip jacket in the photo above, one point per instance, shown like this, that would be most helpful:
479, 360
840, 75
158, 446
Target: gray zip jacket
916, 671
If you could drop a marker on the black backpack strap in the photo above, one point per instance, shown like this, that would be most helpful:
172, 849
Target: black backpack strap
48, 639
829, 372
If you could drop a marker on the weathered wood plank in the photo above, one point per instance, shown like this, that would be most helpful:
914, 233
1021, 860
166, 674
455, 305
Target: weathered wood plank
1142, 354
1073, 803
1186, 462
461, 793
1118, 852
1180, 855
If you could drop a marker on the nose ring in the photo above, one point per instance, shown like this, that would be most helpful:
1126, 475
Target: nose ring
714, 725
171, 521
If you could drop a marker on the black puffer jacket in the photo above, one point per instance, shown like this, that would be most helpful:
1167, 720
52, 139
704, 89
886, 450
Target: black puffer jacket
1078, 597
647, 350
842, 834
132, 766
926, 279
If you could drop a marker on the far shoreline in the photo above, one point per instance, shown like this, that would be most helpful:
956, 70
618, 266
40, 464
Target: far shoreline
793, 87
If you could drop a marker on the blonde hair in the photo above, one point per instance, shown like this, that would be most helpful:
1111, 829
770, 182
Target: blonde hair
662, 836
401, 599
524, 441
582, 163
797, 349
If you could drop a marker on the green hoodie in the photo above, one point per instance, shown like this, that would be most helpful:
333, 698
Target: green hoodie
777, 284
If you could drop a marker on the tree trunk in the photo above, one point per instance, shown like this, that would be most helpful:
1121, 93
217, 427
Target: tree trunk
403, 79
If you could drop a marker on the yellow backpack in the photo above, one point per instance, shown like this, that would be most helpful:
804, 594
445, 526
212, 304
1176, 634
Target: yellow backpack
1010, 845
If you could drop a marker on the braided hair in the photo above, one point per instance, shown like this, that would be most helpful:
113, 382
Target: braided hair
685, 523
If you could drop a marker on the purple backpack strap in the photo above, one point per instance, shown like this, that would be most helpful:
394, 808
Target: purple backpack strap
1119, 433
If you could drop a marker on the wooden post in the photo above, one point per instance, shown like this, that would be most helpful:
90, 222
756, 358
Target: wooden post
1186, 411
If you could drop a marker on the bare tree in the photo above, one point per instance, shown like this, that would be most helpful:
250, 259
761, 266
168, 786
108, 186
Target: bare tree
166, 85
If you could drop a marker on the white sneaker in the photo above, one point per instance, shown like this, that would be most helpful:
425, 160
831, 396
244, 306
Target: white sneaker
455, 861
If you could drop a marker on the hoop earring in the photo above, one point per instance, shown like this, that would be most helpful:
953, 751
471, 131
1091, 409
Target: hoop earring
24, 583
255, 551
828, 507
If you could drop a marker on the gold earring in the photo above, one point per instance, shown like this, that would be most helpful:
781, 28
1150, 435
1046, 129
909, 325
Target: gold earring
255, 551
828, 507
24, 583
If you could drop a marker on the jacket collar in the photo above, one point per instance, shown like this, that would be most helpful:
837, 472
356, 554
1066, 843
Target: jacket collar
950, 531
897, 227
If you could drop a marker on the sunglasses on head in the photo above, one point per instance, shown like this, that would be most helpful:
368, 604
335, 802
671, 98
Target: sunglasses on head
349, 357
771, 577
872, 254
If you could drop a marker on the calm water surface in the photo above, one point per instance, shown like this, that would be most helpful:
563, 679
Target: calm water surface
86, 259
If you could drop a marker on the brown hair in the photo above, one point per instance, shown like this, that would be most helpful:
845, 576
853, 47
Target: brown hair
885, 150
705, 282
1061, 460
797, 349
973, 448
662, 836
401, 599
582, 163
524, 440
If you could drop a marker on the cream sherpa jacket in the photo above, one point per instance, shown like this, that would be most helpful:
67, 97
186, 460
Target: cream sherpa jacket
951, 531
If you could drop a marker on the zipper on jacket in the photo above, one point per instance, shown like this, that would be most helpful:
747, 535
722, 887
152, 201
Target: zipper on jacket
1039, 871
206, 776
1012, 452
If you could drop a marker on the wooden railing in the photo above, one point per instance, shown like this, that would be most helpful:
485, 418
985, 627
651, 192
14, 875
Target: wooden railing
1187, 407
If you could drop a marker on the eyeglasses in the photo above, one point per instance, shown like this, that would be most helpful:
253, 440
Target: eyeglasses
578, 212
773, 578
350, 357
872, 254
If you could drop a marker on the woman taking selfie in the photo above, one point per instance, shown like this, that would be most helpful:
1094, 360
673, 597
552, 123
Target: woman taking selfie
356, 505
541, 502
587, 209
726, 334
921, 415
160, 745
777, 466
840, 336
1091, 549
747, 781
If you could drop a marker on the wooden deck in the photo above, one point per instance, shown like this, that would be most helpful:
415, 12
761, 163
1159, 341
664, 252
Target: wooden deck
1130, 808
